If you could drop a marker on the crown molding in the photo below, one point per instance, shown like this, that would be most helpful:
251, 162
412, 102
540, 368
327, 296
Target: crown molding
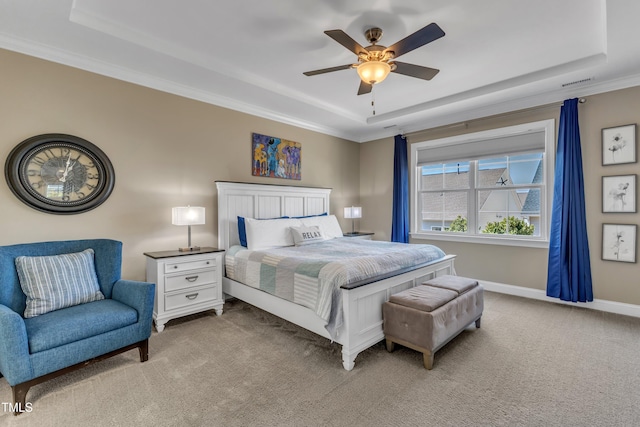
432, 118
142, 79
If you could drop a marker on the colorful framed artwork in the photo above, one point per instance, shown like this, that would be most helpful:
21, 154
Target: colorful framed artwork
619, 242
619, 145
619, 193
275, 157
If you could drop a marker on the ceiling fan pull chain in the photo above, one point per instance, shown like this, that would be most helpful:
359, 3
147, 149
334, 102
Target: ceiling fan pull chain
373, 99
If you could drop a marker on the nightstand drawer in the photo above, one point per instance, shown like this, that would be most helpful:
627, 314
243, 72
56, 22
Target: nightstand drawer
189, 265
188, 280
190, 297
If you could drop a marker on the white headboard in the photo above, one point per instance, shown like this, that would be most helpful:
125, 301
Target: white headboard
263, 201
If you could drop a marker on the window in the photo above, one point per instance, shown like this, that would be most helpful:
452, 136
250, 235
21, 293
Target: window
488, 186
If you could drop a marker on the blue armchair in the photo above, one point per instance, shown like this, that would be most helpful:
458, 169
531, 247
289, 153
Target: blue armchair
36, 349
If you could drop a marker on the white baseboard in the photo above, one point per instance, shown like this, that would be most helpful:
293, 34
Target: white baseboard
596, 304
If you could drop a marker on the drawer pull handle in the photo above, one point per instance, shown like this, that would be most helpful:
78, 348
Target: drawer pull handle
175, 266
191, 278
191, 296
208, 263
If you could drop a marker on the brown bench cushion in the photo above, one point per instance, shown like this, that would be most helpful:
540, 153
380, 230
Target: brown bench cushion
454, 283
423, 298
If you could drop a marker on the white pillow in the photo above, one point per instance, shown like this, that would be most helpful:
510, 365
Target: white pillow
305, 235
269, 233
328, 225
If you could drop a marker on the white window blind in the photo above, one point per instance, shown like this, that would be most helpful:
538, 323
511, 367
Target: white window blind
481, 148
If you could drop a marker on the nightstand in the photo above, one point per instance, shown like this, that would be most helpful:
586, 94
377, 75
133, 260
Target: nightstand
186, 283
364, 235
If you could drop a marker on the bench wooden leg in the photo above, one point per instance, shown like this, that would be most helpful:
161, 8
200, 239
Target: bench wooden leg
390, 345
478, 322
428, 360
426, 354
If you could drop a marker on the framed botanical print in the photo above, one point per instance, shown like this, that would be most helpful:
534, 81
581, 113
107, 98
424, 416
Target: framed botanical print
619, 193
619, 242
619, 145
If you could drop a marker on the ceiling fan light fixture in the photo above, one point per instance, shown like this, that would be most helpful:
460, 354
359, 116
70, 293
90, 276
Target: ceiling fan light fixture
373, 72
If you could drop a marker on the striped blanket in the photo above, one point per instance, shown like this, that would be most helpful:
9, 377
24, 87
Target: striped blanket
312, 275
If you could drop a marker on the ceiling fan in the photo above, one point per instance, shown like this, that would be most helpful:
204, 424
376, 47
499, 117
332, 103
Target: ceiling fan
375, 62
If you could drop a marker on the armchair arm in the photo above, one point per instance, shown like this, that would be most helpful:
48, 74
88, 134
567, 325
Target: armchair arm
15, 363
138, 295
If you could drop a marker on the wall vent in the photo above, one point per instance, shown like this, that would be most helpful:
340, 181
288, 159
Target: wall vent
577, 82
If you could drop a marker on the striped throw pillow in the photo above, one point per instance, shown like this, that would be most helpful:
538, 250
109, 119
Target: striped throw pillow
54, 282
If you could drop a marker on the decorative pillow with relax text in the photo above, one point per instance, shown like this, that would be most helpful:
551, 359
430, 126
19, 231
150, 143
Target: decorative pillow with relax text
328, 225
58, 281
305, 235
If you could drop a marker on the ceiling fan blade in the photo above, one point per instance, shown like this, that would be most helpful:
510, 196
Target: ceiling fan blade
328, 70
413, 41
417, 71
364, 88
345, 40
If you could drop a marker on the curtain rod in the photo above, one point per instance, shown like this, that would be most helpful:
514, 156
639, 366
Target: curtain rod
508, 113
530, 109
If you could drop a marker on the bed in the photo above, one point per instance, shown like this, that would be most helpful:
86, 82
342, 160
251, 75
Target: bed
356, 307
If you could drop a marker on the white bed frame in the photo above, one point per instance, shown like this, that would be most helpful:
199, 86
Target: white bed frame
362, 306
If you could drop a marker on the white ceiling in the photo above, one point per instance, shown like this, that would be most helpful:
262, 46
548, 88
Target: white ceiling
249, 55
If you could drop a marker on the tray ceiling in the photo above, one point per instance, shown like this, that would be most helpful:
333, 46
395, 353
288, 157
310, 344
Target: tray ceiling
496, 56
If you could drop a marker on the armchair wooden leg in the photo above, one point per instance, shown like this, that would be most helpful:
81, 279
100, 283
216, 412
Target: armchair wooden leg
144, 350
19, 392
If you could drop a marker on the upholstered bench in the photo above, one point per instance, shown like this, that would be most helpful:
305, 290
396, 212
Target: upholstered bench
428, 316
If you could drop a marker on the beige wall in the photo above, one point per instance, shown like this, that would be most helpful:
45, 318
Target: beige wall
169, 151
166, 150
526, 267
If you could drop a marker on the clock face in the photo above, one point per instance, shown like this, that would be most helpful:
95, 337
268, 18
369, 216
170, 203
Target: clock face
59, 173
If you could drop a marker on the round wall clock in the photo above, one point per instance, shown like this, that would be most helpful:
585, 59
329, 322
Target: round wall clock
60, 174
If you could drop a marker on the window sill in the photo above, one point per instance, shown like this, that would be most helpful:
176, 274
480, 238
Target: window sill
484, 240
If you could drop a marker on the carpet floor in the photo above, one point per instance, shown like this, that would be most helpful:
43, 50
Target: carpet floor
533, 363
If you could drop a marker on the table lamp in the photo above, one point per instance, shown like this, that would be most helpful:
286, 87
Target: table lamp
188, 215
353, 212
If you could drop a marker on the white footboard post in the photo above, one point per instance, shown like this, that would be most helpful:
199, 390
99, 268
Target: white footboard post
348, 355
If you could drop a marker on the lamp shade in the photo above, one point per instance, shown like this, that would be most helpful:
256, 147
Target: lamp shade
373, 72
187, 215
353, 212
